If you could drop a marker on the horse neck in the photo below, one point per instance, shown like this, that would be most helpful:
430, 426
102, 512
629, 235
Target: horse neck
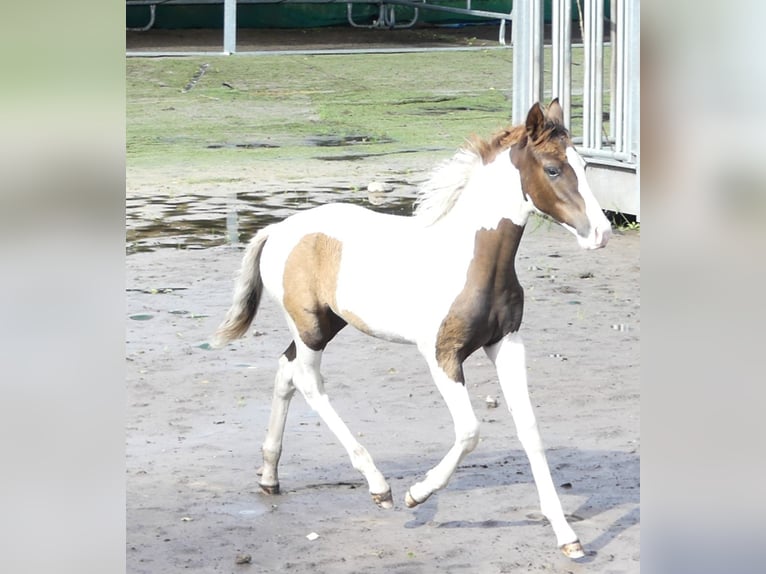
491, 194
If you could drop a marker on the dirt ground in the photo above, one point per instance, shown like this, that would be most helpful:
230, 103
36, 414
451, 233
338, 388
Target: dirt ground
196, 418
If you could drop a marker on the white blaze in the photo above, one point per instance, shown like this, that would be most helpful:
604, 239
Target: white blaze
600, 228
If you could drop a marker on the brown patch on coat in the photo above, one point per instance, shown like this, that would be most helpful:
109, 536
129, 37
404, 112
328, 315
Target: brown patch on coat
290, 353
491, 303
310, 281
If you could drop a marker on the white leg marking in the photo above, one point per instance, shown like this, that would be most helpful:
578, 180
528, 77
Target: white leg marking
272, 445
308, 381
466, 437
509, 359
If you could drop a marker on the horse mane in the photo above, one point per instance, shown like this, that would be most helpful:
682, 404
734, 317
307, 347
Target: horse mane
438, 195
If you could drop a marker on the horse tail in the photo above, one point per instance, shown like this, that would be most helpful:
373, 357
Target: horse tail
247, 293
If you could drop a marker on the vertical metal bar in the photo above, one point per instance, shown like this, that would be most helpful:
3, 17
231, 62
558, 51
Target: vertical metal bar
229, 26
633, 81
598, 17
561, 73
614, 37
594, 71
521, 70
501, 33
538, 63
633, 74
527, 56
619, 56
587, 87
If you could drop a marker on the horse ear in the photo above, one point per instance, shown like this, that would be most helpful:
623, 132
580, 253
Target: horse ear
535, 121
555, 113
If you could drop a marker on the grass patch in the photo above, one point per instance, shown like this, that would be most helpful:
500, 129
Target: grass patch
404, 100
208, 111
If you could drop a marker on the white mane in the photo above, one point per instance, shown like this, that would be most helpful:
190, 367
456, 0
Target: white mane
438, 195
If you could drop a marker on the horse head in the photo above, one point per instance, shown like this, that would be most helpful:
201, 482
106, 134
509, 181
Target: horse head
553, 177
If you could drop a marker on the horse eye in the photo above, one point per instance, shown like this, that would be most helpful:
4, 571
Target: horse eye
552, 171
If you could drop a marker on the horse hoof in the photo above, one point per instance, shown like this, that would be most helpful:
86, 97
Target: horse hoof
270, 488
411, 502
573, 550
384, 499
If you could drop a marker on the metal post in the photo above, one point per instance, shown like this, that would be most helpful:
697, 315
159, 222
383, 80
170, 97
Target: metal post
633, 75
633, 125
229, 26
527, 56
594, 69
618, 120
561, 85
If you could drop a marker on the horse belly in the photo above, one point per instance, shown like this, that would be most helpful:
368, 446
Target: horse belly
397, 291
379, 314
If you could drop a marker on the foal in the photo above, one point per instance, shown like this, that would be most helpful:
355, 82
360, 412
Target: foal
443, 279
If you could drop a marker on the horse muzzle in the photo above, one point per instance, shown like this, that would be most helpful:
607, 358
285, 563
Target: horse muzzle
598, 237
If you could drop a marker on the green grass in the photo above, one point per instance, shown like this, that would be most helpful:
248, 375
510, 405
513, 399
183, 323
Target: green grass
405, 101
400, 102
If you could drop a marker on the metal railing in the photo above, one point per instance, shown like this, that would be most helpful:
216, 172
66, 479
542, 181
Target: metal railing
620, 83
386, 16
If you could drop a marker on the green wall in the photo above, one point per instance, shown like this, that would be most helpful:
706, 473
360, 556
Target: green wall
306, 15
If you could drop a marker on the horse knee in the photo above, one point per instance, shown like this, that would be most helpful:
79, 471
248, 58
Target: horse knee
283, 384
469, 437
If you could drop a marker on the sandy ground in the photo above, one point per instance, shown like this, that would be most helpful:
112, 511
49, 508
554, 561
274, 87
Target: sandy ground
196, 418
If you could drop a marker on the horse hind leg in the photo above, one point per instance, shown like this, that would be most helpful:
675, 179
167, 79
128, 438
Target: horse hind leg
284, 389
308, 380
466, 425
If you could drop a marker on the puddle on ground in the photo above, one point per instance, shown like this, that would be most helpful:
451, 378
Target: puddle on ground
247, 145
201, 221
440, 111
337, 141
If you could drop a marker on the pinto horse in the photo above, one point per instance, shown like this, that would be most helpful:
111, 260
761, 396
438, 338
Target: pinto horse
442, 279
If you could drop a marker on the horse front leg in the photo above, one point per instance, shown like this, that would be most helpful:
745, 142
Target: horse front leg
508, 355
466, 425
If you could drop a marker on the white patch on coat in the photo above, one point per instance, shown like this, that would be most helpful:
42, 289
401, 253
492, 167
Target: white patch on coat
600, 228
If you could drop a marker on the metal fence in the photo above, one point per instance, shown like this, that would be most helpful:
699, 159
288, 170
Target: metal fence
620, 82
612, 148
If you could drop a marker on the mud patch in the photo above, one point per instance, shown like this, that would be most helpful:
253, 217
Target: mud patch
438, 111
247, 145
359, 156
340, 141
